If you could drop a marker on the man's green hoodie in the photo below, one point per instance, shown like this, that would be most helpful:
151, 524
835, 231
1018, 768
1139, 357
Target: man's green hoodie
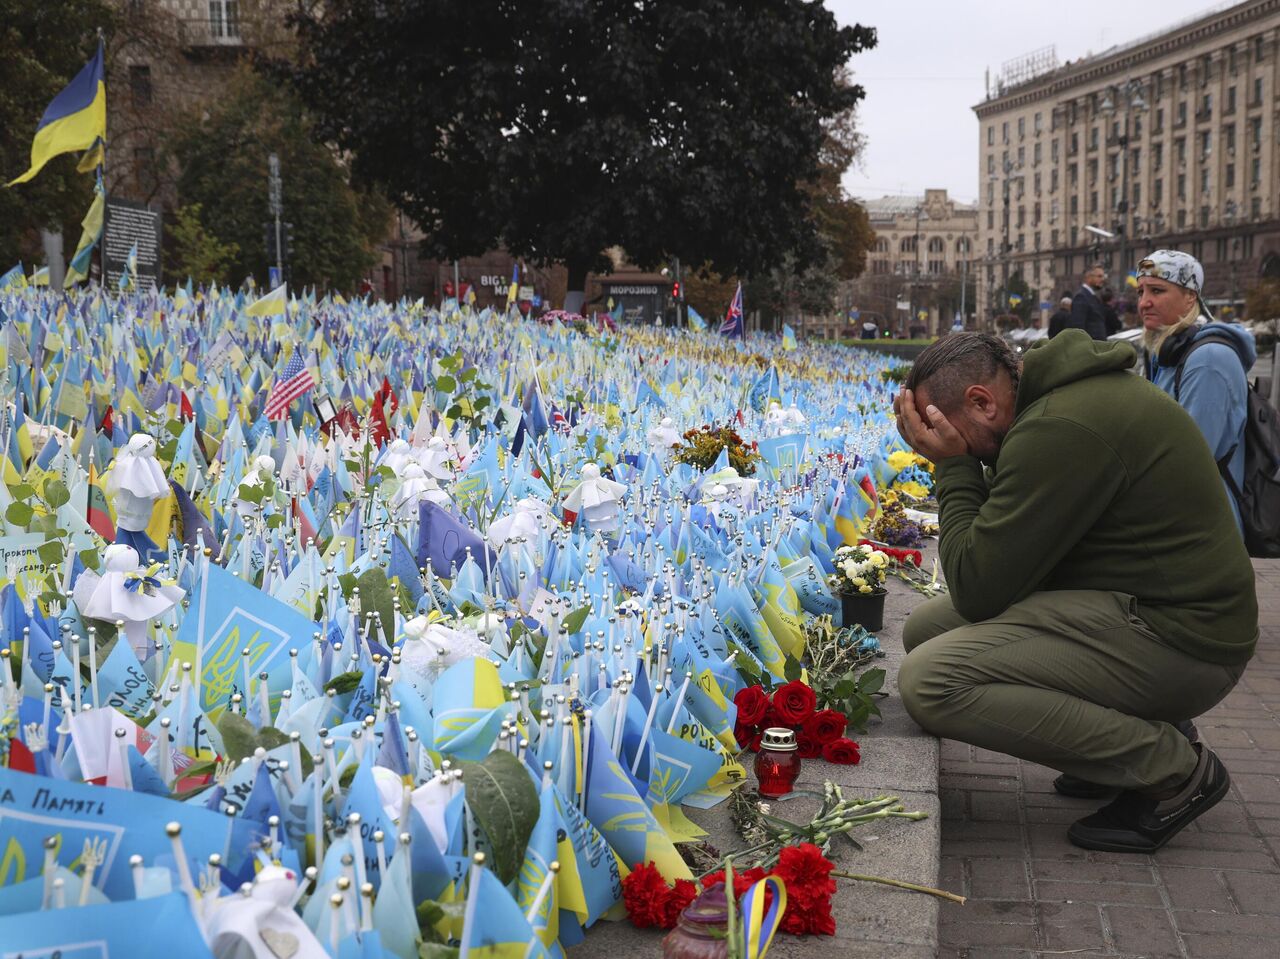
1103, 482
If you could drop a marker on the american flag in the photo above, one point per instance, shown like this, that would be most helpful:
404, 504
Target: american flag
293, 382
733, 325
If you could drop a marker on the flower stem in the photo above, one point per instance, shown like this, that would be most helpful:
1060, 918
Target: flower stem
940, 893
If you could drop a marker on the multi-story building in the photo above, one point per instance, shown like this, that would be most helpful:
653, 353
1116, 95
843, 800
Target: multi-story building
919, 270
1172, 140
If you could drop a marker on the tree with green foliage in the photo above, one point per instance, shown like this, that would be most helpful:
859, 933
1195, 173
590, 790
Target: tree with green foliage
560, 128
221, 153
196, 252
42, 47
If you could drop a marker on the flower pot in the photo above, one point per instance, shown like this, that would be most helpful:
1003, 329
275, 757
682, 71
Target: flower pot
863, 609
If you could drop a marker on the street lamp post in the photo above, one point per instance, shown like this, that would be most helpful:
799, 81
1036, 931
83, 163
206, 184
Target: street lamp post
1130, 98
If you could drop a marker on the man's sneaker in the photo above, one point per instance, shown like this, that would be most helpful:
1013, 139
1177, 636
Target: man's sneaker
1077, 788
1134, 822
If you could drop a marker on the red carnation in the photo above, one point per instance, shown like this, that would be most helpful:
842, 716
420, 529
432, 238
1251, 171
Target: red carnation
806, 872
825, 726
645, 894
842, 752
683, 894
752, 704
794, 702
744, 734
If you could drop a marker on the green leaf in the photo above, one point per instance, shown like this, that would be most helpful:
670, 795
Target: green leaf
791, 669
56, 493
376, 596
482, 402
446, 384
23, 491
19, 514
573, 622
468, 374
239, 737
505, 805
344, 683
51, 554
91, 558
275, 520
871, 681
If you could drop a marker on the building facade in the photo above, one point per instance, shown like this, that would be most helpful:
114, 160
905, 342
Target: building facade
919, 271
1171, 141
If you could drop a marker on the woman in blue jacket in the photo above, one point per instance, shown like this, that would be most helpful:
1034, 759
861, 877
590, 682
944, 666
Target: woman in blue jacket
1213, 386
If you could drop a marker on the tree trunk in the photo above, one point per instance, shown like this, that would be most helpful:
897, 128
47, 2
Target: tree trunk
576, 291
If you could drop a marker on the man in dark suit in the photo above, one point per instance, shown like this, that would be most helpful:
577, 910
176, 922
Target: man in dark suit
1086, 306
1058, 322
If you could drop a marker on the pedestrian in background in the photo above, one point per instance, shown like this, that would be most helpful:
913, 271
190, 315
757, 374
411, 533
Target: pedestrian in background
1110, 318
1058, 322
1086, 305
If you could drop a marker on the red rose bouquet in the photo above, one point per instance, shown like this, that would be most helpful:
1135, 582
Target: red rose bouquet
793, 706
803, 869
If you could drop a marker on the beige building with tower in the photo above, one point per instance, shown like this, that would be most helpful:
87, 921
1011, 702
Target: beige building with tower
917, 268
1172, 140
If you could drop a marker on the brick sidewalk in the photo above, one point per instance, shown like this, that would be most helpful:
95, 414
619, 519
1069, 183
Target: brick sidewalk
1213, 892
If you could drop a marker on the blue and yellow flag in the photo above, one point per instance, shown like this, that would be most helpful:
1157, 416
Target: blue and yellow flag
469, 709
74, 120
91, 233
788, 338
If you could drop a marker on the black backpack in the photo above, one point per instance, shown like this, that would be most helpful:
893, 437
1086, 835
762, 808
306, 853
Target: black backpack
1258, 497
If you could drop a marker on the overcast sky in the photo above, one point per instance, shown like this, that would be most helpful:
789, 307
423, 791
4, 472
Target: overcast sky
926, 73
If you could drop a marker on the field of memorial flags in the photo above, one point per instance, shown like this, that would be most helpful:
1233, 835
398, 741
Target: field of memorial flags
306, 602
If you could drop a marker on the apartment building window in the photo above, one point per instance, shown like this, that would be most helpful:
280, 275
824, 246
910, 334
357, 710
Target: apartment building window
1035, 154
1159, 85
937, 267
1182, 76
1004, 157
1157, 192
1229, 138
1255, 173
1259, 48
1135, 159
1157, 155
1022, 127
1093, 138
140, 85
1022, 156
1022, 242
1181, 119
1204, 222
1092, 169
908, 245
991, 163
1004, 131
1115, 130
1255, 208
1204, 181
224, 18
1205, 144
1206, 107
1230, 105
991, 246
1180, 150
991, 219
1093, 202
1220, 249
1229, 176
1182, 186
1035, 215
1182, 219
1075, 205
1257, 92
1159, 127
1053, 151
1072, 175
1255, 134
991, 135
1036, 241
1022, 188
1112, 163
1137, 127
1036, 184
1039, 122
1137, 196
1075, 143
991, 192
1053, 238
1053, 181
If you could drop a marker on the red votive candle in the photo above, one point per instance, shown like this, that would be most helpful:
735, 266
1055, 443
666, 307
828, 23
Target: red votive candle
777, 763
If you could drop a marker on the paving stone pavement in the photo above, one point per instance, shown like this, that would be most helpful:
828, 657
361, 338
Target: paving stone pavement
1213, 892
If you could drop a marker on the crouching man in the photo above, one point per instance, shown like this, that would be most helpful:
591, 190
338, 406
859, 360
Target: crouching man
1099, 589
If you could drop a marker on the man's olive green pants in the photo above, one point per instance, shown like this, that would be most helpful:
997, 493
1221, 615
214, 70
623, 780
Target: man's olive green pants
1071, 679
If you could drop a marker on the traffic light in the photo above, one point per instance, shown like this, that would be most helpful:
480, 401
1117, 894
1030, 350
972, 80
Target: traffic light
675, 291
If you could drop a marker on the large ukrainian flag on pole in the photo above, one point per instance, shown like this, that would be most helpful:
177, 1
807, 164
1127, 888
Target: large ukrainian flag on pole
74, 120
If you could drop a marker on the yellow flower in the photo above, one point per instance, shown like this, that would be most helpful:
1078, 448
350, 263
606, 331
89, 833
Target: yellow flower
858, 581
913, 489
864, 589
879, 560
900, 460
